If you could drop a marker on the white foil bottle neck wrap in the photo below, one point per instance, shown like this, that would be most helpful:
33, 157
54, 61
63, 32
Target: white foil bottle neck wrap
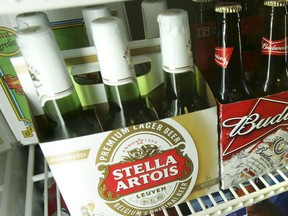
113, 51
150, 10
45, 63
26, 20
91, 13
175, 40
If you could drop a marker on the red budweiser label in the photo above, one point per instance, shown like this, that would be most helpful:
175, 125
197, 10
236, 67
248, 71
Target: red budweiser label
274, 47
253, 137
223, 55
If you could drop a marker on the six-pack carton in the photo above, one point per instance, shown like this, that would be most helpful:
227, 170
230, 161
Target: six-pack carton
139, 169
252, 133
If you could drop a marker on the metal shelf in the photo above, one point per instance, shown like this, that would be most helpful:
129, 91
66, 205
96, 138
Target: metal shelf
222, 202
20, 6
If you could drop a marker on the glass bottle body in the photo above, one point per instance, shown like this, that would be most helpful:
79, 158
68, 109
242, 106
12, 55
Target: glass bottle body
126, 107
65, 118
232, 84
63, 114
272, 74
203, 11
180, 95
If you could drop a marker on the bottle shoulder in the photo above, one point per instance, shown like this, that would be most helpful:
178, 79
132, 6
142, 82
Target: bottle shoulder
129, 114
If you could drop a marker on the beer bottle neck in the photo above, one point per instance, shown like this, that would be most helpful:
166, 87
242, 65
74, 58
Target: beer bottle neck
203, 12
275, 17
229, 30
122, 96
180, 84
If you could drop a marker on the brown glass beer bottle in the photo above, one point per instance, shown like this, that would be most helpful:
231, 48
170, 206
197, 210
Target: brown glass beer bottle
203, 37
272, 74
203, 11
231, 83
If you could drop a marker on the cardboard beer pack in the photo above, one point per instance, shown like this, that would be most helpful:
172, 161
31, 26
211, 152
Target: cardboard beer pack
13, 103
252, 133
253, 138
139, 169
70, 33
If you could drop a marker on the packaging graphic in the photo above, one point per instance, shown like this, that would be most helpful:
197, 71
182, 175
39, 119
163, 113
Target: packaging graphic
13, 103
253, 138
140, 169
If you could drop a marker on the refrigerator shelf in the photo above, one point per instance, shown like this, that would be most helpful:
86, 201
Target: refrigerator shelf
221, 203
21, 6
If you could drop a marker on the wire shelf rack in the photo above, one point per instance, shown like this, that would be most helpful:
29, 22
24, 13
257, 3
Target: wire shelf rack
218, 203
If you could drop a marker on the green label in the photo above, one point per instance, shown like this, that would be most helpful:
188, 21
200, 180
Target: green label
8, 45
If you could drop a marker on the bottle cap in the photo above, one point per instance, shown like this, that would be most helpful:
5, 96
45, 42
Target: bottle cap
45, 63
275, 3
228, 7
150, 10
175, 40
113, 51
26, 20
93, 12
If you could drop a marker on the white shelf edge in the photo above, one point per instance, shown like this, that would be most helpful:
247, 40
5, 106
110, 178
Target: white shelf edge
14, 7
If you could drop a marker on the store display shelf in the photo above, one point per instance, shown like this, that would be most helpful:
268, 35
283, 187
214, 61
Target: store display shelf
232, 199
221, 203
20, 6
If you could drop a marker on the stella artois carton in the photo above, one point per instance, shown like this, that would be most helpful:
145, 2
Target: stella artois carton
253, 138
70, 33
139, 169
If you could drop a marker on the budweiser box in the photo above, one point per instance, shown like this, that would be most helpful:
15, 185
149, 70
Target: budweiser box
136, 170
253, 138
249, 131
70, 33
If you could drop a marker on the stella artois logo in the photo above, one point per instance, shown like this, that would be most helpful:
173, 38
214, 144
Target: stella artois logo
223, 55
146, 167
274, 47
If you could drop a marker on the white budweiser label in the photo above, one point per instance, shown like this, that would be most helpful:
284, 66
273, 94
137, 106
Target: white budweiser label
253, 138
274, 47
